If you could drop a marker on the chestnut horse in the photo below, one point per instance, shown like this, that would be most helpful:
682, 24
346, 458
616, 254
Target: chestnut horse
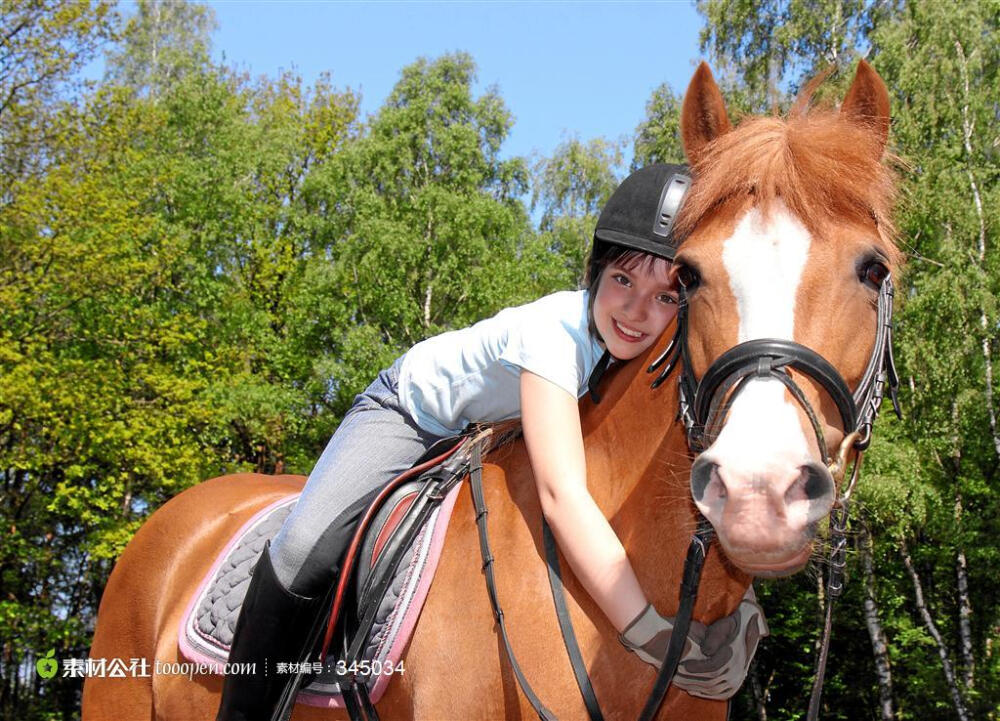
784, 221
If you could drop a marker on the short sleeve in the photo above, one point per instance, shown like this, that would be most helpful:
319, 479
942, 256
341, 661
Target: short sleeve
548, 348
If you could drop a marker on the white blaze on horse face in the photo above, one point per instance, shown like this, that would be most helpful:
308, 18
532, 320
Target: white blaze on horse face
765, 259
762, 448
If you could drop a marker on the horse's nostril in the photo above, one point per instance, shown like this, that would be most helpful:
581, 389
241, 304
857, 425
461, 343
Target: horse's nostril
813, 484
701, 476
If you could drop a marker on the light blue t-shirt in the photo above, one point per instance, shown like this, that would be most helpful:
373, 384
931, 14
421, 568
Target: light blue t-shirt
474, 374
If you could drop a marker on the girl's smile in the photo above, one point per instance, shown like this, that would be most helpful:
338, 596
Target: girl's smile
634, 305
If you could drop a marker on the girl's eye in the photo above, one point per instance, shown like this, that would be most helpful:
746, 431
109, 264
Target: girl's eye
667, 299
621, 279
874, 273
688, 277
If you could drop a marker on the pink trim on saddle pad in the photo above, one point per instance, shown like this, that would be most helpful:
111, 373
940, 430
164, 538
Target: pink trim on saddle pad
189, 630
194, 645
411, 613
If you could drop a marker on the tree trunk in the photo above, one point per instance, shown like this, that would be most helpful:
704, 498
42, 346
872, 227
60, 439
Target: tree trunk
964, 603
760, 691
967, 132
880, 646
427, 305
925, 614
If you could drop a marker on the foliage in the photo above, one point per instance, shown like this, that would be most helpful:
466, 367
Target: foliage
658, 137
761, 43
136, 276
161, 43
571, 187
43, 45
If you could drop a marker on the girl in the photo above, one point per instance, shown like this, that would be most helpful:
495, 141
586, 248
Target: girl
532, 361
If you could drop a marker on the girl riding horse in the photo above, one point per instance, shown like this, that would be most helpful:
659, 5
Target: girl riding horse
534, 362
788, 241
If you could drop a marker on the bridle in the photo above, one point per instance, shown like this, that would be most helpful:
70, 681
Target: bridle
703, 407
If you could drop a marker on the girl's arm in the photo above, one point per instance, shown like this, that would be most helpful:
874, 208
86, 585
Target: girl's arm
554, 438
717, 658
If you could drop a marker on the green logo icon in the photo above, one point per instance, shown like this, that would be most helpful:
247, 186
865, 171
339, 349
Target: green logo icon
47, 666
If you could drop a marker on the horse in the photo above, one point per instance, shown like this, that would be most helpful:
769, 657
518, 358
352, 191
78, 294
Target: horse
787, 231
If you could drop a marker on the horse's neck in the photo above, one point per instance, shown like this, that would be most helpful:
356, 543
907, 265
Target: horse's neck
638, 470
630, 435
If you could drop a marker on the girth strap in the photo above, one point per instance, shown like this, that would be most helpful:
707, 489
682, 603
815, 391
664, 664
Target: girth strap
479, 503
566, 626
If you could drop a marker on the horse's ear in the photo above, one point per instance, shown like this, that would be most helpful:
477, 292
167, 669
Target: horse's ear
703, 115
867, 102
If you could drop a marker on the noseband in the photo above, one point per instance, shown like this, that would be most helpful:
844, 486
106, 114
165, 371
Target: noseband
704, 405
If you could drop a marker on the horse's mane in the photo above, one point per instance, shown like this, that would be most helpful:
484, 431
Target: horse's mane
822, 165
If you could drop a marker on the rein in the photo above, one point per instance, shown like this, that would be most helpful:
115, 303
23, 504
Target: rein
689, 588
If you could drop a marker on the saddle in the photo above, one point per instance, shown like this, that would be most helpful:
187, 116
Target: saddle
386, 575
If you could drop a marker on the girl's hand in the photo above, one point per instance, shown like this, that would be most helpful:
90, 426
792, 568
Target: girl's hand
724, 651
716, 658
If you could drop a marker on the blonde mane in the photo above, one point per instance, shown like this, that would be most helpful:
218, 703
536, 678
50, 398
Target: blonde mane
822, 165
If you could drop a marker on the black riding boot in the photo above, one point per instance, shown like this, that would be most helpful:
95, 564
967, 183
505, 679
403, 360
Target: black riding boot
274, 626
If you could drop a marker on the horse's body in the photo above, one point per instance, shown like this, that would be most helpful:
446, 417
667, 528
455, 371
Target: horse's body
455, 667
784, 243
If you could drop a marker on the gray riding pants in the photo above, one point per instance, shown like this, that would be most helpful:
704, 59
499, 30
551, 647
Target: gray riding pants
375, 442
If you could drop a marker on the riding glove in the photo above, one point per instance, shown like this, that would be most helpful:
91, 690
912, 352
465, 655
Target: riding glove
721, 654
716, 658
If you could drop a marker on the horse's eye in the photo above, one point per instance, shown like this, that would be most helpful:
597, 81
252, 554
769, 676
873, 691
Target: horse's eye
688, 277
874, 273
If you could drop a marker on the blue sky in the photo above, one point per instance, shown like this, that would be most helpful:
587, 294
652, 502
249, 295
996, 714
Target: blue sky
563, 68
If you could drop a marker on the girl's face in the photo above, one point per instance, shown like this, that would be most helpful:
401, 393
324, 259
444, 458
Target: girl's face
633, 307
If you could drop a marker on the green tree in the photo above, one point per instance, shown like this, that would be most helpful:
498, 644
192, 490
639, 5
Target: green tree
571, 188
146, 272
943, 66
162, 41
758, 44
42, 45
658, 137
422, 221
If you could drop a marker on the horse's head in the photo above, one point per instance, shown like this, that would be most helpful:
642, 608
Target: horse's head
789, 238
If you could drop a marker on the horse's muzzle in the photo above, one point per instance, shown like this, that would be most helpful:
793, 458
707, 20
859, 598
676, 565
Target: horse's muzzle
765, 518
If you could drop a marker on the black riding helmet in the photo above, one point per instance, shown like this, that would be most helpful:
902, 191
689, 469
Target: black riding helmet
639, 216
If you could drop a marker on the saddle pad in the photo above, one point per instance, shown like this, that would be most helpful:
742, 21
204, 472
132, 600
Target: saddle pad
206, 630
